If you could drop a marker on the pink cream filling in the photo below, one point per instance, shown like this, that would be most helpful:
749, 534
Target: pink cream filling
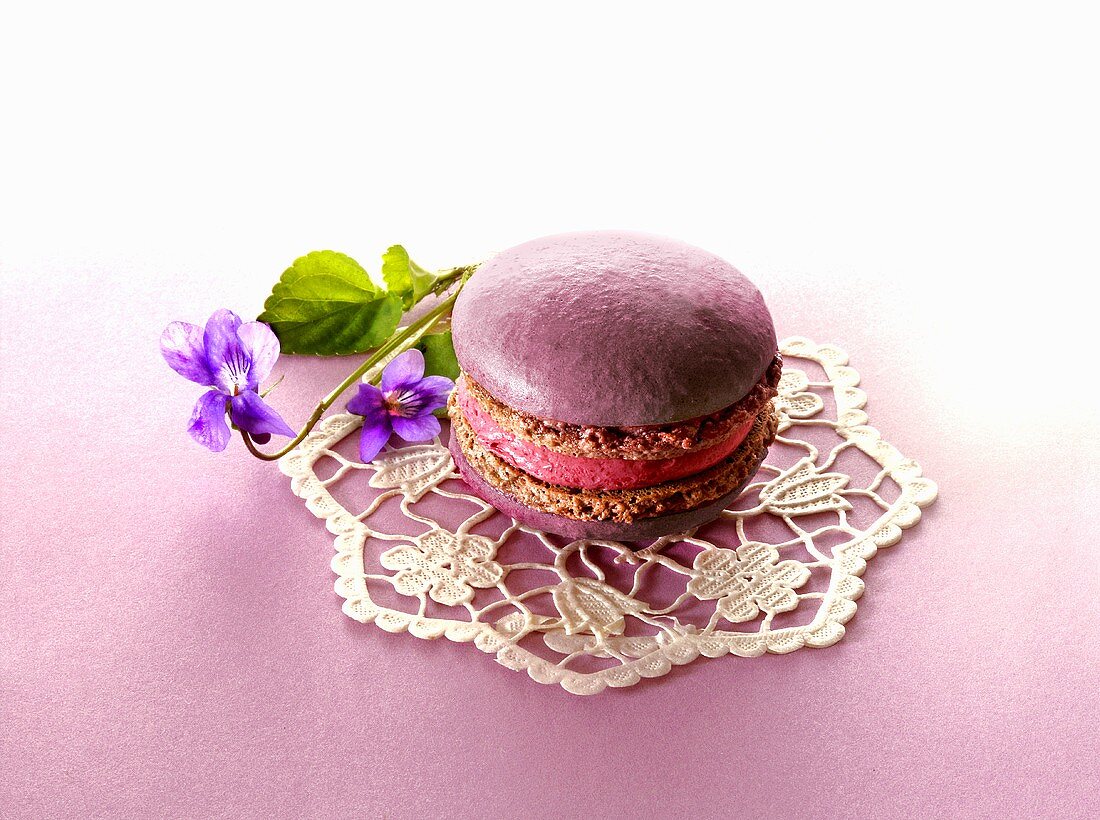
589, 473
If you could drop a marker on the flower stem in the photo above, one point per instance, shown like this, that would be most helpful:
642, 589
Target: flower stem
399, 342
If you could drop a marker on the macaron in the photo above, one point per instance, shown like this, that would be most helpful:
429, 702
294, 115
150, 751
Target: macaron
614, 385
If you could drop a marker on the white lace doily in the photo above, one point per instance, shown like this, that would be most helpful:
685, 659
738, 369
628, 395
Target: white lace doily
778, 571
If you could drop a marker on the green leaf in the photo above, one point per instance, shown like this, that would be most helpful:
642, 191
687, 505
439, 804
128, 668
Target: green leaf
325, 303
404, 277
439, 359
439, 355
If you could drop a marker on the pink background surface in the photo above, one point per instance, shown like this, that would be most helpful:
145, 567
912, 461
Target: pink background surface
171, 643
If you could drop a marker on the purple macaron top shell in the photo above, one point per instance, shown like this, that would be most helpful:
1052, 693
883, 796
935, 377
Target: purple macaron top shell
612, 328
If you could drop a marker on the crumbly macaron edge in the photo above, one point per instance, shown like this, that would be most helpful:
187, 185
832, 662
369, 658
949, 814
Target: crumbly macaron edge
620, 506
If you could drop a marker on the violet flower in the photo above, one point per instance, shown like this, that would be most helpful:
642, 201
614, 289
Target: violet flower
232, 358
403, 404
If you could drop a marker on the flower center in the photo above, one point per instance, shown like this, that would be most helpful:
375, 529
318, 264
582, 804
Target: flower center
404, 403
235, 371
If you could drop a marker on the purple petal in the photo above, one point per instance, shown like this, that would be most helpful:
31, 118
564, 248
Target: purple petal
424, 396
261, 345
181, 346
374, 437
225, 356
260, 438
434, 391
403, 370
418, 428
251, 413
367, 402
208, 425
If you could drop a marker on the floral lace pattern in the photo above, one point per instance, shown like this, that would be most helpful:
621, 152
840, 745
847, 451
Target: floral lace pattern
445, 565
777, 572
747, 580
